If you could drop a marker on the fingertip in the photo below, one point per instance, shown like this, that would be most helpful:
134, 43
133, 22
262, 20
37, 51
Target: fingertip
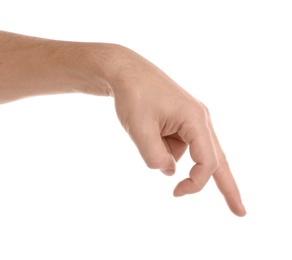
236, 206
168, 172
169, 168
184, 187
178, 193
241, 211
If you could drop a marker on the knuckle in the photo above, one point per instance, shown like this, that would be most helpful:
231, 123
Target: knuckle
197, 187
201, 110
192, 186
214, 165
211, 166
205, 110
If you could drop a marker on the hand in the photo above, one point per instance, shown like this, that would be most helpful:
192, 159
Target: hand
164, 120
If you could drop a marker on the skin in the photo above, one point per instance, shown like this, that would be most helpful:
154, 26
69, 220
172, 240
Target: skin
161, 118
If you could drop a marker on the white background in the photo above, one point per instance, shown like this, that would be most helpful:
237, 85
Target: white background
72, 184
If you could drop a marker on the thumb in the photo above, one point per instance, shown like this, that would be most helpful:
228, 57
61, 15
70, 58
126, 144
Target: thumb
153, 149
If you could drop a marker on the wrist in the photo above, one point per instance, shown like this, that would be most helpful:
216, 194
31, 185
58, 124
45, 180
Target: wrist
105, 64
108, 68
117, 68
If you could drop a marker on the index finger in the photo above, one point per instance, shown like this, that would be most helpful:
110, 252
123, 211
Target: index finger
228, 187
225, 181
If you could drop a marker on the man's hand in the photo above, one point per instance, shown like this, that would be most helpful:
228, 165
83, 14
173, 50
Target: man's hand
164, 120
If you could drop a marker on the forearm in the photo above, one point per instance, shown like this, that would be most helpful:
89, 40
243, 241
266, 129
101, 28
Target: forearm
32, 66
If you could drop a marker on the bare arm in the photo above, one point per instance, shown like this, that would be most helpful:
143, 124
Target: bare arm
162, 119
32, 66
